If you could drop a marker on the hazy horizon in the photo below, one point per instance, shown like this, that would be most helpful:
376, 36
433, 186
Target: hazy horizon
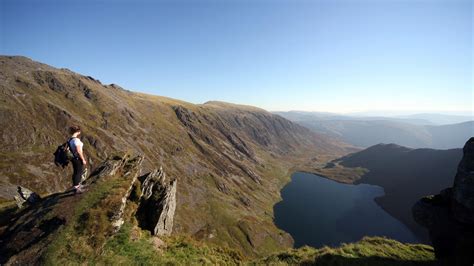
391, 57
388, 113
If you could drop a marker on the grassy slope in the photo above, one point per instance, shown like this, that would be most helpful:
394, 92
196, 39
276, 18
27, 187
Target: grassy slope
369, 251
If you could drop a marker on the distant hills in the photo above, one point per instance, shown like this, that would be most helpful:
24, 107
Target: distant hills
406, 175
416, 131
440, 119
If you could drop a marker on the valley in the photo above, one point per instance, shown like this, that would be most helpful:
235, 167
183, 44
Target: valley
197, 132
229, 161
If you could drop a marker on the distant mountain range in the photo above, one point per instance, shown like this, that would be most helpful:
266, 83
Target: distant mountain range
405, 174
439, 119
416, 131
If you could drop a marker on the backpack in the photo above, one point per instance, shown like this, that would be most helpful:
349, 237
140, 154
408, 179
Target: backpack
63, 155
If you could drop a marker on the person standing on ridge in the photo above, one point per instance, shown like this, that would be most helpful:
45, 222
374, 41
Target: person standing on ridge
78, 161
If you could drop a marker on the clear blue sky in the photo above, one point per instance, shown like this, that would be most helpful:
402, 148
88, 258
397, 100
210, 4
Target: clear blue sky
336, 56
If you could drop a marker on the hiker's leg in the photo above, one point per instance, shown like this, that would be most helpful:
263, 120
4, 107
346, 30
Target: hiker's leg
74, 172
78, 169
84, 173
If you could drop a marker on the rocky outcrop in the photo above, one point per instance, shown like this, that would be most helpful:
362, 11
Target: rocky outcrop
25, 196
449, 216
157, 203
93, 216
131, 173
463, 189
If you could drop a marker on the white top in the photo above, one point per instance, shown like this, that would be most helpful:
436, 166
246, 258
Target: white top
74, 143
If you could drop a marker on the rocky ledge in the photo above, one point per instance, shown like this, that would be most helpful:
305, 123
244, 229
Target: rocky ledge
449, 215
116, 192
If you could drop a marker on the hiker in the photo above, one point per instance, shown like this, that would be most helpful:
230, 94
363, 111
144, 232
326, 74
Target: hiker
78, 161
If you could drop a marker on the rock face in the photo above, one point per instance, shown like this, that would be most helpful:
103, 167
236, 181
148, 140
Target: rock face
157, 203
449, 216
131, 173
463, 189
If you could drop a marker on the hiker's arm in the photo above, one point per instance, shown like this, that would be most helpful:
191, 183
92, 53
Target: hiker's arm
81, 155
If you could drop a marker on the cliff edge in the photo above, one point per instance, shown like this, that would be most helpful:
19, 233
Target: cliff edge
449, 215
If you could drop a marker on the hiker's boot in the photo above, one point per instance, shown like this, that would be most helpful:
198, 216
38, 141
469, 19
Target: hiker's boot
78, 189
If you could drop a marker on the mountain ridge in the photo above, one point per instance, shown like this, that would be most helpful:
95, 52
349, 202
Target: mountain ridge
230, 162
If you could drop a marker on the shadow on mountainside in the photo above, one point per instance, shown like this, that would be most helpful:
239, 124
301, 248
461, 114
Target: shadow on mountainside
406, 175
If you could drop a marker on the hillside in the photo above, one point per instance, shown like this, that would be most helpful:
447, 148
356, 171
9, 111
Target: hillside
405, 174
104, 226
368, 131
230, 160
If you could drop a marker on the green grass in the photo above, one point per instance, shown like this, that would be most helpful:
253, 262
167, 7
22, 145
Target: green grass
89, 226
76, 241
122, 250
368, 251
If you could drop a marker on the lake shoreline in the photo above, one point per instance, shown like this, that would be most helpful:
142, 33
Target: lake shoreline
321, 207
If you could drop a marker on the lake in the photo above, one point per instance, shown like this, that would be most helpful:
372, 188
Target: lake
317, 211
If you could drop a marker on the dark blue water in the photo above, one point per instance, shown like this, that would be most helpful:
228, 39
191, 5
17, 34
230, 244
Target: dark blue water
317, 211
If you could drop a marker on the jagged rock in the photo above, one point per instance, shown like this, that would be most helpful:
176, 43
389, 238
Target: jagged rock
108, 168
449, 216
189, 119
157, 203
25, 195
49, 79
86, 90
131, 173
463, 189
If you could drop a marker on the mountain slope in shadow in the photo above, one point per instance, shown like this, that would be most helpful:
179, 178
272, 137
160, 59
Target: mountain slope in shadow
405, 174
